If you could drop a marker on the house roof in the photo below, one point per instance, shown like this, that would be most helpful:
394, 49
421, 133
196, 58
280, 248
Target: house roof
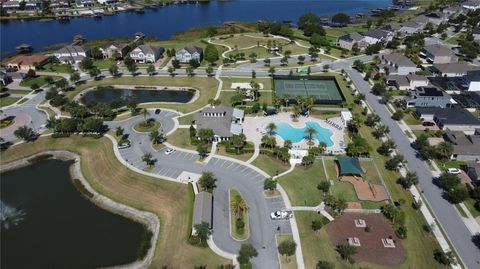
391, 27
221, 126
28, 59
71, 49
352, 37
456, 68
118, 45
349, 166
450, 116
463, 144
473, 75
148, 49
377, 33
192, 49
401, 80
438, 50
411, 24
429, 91
202, 208
414, 77
399, 59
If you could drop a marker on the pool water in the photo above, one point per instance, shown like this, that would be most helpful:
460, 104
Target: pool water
288, 132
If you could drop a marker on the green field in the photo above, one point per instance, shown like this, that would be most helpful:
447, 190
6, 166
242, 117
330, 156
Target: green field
270, 165
6, 101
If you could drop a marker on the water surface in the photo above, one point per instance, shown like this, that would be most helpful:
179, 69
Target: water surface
288, 132
107, 95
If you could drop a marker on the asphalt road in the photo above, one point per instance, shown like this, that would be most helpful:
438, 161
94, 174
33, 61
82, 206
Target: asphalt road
456, 230
230, 175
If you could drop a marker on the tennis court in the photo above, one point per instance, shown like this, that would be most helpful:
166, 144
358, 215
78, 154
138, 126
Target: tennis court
325, 89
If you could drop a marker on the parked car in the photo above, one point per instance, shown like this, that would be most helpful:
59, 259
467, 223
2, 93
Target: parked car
455, 171
157, 111
123, 146
169, 151
279, 215
428, 123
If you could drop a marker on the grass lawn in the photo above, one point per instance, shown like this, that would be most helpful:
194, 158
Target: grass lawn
4, 123
39, 80
286, 262
371, 173
104, 64
301, 184
59, 68
270, 165
185, 120
206, 86
242, 157
321, 114
238, 234
6, 101
294, 48
143, 127
260, 51
171, 202
317, 246
181, 138
244, 41
470, 204
411, 120
19, 91
336, 32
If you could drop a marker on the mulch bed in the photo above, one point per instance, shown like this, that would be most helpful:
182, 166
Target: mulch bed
371, 249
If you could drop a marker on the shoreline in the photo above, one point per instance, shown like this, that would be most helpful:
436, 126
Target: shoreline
149, 220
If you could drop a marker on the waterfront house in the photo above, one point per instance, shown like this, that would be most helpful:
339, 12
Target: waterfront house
347, 41
452, 118
59, 4
451, 69
466, 147
71, 54
27, 62
377, 35
11, 6
107, 2
84, 3
411, 27
392, 28
225, 121
472, 80
453, 10
110, 49
472, 4
188, 53
397, 64
438, 54
428, 96
33, 5
146, 54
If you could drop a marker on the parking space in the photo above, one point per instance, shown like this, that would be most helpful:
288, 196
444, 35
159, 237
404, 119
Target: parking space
275, 204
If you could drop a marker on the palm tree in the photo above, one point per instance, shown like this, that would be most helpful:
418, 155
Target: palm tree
238, 206
147, 158
286, 99
277, 102
322, 146
296, 111
310, 132
299, 100
156, 137
145, 113
271, 127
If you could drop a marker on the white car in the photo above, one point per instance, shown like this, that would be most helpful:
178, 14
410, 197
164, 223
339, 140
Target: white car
124, 146
279, 215
169, 151
455, 171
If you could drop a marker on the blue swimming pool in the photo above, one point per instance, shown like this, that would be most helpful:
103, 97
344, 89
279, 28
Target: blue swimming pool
288, 132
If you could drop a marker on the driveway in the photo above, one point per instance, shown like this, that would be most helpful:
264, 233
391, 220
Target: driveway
230, 174
445, 213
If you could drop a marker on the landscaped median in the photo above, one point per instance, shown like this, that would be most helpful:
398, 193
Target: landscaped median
239, 222
147, 126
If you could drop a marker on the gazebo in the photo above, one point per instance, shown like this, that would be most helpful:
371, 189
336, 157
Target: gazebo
349, 166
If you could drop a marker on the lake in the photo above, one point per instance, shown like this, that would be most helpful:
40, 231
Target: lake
171, 19
107, 95
60, 228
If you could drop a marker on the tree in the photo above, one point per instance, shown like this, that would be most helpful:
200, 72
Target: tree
253, 57
132, 68
448, 181
86, 64
207, 181
132, 105
209, 71
148, 159
266, 62
319, 40
325, 265
34, 86
372, 119
317, 225
271, 71
346, 251
238, 141
75, 77
341, 18
386, 147
271, 127
24, 132
408, 180
202, 231
324, 186
119, 131
476, 240
96, 53
211, 54
239, 206
359, 65
395, 162
446, 259
380, 131
270, 184
205, 135
151, 69
113, 70
247, 251
458, 194
94, 72
202, 150
61, 83
287, 248
145, 113
171, 70
311, 23
398, 115
156, 137
310, 132
301, 59
444, 150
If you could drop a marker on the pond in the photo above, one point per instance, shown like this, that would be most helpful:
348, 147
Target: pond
107, 95
51, 225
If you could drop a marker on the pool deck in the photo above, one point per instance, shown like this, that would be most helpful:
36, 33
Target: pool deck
254, 129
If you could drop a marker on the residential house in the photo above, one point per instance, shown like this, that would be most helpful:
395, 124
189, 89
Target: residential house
473, 171
225, 121
436, 17
202, 210
453, 10
392, 28
377, 35
72, 54
476, 33
27, 62
411, 27
472, 5
408, 82
452, 118
428, 96
472, 80
84, 3
146, 54
188, 53
5, 78
451, 69
107, 2
11, 6
110, 49
59, 4
33, 5
397, 64
438, 54
465, 147
347, 41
